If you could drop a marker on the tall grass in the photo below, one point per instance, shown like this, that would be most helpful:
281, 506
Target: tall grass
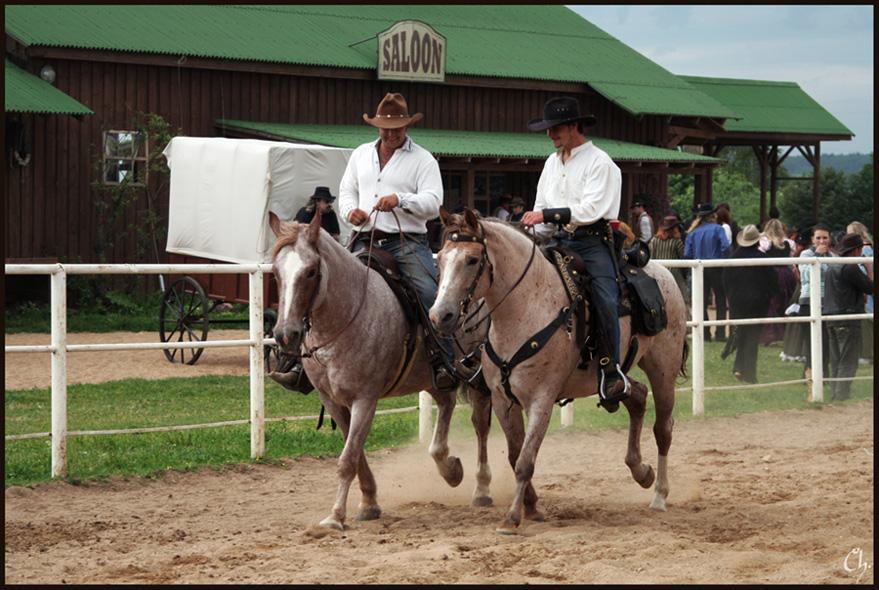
140, 403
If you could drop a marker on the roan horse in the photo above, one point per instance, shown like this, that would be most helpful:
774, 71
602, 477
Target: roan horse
521, 303
348, 319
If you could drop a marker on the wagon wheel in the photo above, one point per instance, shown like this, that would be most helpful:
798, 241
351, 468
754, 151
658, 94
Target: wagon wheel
271, 351
183, 314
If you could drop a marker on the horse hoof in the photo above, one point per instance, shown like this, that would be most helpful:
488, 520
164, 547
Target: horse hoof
455, 475
507, 528
332, 523
658, 504
371, 513
535, 515
481, 502
648, 478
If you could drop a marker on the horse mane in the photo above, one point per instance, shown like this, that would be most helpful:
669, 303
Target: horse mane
289, 235
457, 223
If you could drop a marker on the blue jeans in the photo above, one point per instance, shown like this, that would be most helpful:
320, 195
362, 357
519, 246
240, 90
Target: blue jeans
415, 261
605, 290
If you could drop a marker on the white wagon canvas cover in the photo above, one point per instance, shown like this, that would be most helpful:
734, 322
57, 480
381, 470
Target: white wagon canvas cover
222, 190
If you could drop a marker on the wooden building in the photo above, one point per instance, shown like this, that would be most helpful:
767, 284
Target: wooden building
308, 73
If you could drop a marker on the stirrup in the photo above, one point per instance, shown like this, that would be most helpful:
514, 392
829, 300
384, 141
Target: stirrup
443, 380
611, 402
292, 376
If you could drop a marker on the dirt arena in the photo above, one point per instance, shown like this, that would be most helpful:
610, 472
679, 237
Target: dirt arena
775, 497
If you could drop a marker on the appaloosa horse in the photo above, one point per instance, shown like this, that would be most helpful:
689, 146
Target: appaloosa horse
488, 258
352, 329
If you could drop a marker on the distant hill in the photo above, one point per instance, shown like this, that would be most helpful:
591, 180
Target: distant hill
848, 163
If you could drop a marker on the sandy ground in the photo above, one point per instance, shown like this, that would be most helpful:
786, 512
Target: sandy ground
775, 497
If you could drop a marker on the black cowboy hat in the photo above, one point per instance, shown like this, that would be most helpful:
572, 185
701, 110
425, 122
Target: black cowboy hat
559, 111
705, 209
322, 193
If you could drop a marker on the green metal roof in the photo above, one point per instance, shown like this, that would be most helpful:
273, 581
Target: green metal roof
547, 42
26, 93
444, 142
770, 107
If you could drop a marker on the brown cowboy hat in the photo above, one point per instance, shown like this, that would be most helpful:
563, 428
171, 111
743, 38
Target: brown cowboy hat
848, 243
392, 113
669, 222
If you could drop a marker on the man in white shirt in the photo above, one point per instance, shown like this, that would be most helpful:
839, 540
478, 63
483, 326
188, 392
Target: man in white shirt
643, 223
396, 174
577, 195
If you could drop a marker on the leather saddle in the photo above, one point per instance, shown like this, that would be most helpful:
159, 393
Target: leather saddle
632, 280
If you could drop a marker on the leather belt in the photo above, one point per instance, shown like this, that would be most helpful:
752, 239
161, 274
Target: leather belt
569, 231
380, 237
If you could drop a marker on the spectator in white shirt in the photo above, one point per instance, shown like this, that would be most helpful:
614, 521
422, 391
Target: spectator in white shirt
643, 224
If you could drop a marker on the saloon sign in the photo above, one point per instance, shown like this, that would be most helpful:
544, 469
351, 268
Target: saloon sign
411, 50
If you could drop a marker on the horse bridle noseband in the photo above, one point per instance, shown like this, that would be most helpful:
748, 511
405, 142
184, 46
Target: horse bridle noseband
458, 236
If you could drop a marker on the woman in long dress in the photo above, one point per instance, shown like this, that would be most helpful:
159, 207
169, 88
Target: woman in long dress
777, 245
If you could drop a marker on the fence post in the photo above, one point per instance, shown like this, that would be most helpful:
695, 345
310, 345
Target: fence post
817, 392
425, 417
568, 414
698, 298
257, 365
58, 280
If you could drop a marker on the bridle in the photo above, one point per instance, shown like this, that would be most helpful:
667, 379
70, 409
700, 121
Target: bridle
456, 234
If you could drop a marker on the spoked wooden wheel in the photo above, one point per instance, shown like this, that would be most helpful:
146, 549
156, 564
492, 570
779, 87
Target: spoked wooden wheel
183, 317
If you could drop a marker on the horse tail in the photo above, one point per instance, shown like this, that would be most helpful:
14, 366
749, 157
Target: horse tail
463, 392
684, 357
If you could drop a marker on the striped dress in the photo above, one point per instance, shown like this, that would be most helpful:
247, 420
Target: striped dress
671, 249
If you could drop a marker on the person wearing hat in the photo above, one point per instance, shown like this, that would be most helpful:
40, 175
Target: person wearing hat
706, 240
321, 200
577, 195
643, 222
393, 185
750, 290
668, 245
844, 291
517, 208
502, 211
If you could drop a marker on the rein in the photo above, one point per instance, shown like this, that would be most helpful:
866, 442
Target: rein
306, 320
532, 345
457, 235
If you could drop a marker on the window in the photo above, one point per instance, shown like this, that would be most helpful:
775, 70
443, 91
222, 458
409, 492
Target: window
125, 157
487, 191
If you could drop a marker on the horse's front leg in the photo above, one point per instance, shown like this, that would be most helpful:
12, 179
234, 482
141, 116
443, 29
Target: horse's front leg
481, 419
636, 405
449, 467
355, 424
523, 446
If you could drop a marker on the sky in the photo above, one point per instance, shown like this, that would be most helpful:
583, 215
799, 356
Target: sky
827, 50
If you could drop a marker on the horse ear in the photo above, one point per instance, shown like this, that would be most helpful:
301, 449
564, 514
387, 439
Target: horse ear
314, 227
274, 223
470, 217
444, 217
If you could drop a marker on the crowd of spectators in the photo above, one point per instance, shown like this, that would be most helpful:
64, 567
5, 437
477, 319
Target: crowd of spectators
777, 291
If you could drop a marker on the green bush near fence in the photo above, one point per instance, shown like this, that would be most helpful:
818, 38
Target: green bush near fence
140, 403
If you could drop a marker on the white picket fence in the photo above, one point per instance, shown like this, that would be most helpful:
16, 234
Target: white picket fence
59, 347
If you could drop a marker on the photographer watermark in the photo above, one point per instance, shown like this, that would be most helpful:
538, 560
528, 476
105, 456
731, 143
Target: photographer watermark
855, 562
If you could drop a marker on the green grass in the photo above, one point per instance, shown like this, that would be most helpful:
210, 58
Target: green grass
112, 312
140, 403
